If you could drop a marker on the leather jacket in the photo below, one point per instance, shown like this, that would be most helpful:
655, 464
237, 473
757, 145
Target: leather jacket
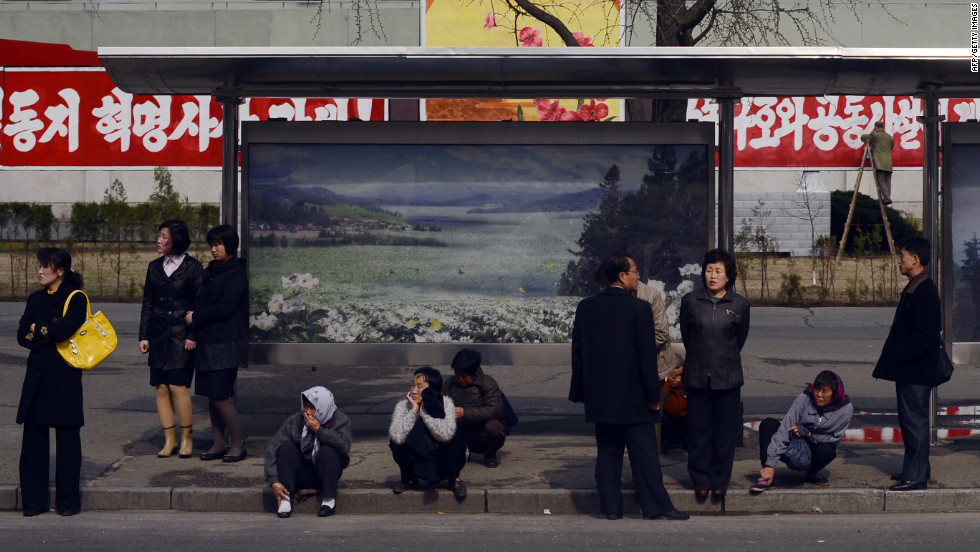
165, 302
713, 335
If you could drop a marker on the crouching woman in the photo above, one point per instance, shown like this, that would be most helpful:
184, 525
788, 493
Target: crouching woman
808, 436
421, 427
310, 450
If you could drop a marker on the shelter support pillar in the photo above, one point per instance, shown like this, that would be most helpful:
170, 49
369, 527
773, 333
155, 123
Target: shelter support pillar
229, 161
726, 173
930, 211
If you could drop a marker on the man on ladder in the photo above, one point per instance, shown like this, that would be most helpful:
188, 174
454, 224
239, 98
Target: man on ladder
881, 153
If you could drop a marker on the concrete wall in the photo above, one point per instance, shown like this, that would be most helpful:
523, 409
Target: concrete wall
888, 24
183, 23
787, 215
63, 188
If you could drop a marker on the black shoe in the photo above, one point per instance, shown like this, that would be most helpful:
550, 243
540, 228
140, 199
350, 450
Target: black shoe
32, 513
887, 202
896, 477
401, 487
909, 486
701, 491
612, 517
491, 461
236, 458
208, 456
719, 490
325, 511
67, 513
458, 488
673, 515
283, 515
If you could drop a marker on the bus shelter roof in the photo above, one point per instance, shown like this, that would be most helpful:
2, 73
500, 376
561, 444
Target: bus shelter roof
657, 72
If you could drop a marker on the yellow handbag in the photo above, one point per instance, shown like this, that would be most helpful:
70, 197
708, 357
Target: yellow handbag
92, 343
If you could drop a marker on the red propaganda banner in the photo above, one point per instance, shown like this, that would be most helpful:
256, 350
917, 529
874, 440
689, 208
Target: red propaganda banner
77, 117
826, 131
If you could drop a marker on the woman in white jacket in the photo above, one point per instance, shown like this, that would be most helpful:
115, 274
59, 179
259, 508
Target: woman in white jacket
421, 427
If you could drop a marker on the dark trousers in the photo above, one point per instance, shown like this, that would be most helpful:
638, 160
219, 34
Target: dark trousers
821, 453
640, 441
884, 181
673, 432
485, 440
913, 421
713, 430
35, 455
414, 467
322, 473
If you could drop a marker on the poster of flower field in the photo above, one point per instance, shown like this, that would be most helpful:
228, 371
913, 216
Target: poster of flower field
405, 241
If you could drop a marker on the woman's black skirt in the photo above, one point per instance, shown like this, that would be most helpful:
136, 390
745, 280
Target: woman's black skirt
216, 384
178, 376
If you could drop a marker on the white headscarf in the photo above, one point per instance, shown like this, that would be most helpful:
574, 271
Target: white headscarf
322, 399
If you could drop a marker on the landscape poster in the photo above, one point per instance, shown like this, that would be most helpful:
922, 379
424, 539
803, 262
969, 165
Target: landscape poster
462, 243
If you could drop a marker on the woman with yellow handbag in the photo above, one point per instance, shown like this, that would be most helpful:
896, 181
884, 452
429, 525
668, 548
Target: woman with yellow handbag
52, 392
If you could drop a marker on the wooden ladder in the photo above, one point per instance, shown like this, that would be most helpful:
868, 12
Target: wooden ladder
866, 159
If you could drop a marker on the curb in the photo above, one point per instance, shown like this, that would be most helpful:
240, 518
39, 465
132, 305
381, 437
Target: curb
519, 501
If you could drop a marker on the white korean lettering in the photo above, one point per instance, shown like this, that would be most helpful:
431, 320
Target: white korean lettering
151, 119
904, 126
64, 119
328, 112
854, 122
115, 118
23, 122
197, 121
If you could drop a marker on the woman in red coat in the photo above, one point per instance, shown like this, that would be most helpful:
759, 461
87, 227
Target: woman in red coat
52, 392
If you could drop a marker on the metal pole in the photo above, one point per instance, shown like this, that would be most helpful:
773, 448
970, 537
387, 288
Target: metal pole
726, 174
229, 160
930, 212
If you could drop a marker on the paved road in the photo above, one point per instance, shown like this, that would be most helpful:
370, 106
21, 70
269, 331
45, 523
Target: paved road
151, 531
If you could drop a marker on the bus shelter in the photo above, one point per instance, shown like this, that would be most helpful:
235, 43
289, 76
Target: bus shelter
724, 74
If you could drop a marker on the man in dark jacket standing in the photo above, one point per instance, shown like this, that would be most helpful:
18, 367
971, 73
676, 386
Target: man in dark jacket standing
910, 358
480, 422
614, 372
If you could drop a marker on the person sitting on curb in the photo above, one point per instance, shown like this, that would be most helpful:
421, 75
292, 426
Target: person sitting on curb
421, 427
479, 410
818, 417
310, 450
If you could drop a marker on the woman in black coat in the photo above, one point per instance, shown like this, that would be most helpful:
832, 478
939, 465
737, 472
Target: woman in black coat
172, 284
220, 323
714, 325
52, 392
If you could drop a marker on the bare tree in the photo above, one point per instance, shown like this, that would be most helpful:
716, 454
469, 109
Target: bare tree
670, 22
809, 208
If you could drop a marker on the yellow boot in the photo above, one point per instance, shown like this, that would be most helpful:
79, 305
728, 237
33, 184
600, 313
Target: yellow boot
186, 442
169, 442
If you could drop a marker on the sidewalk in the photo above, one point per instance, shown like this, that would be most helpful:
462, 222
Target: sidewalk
545, 467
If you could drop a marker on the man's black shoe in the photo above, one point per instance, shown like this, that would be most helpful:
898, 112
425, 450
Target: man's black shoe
909, 486
612, 517
458, 488
674, 515
325, 511
491, 460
